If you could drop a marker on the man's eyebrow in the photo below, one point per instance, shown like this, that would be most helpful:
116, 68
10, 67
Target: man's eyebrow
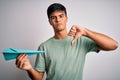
58, 15
52, 17
61, 14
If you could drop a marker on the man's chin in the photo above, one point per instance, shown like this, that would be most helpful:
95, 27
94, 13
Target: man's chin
59, 30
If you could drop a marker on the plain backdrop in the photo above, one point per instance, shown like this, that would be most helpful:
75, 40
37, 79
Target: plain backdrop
24, 24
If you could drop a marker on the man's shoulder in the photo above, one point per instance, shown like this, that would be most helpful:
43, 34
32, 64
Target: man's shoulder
84, 38
47, 41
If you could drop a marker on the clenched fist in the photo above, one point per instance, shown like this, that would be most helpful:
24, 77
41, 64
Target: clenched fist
76, 32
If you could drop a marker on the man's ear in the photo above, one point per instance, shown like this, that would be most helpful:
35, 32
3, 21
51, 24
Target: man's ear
49, 21
67, 19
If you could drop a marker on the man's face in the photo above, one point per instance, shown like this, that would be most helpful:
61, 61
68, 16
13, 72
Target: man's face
58, 20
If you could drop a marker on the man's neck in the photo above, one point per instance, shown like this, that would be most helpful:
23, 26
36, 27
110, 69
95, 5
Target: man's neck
61, 34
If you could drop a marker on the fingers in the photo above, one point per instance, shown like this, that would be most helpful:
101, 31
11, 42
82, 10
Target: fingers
72, 31
75, 38
75, 32
21, 60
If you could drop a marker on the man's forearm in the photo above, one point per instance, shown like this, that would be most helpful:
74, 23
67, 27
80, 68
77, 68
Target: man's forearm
35, 75
104, 42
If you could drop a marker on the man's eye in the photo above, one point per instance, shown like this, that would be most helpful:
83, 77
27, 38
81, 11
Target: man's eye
52, 17
61, 16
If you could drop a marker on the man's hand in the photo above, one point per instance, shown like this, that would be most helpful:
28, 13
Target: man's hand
76, 32
23, 62
104, 42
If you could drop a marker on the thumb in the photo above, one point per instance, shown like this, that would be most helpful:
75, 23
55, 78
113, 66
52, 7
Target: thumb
73, 41
75, 38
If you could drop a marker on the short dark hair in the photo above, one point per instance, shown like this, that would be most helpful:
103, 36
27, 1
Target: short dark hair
55, 7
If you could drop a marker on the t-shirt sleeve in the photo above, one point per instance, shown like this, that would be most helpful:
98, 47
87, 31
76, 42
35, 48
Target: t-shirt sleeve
40, 61
90, 45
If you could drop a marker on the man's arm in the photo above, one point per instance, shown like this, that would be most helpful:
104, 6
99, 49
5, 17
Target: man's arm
35, 75
104, 42
23, 63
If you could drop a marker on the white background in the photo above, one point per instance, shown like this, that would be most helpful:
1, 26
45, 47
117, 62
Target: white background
24, 24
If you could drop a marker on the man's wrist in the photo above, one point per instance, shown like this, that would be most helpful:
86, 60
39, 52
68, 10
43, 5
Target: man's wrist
30, 69
86, 33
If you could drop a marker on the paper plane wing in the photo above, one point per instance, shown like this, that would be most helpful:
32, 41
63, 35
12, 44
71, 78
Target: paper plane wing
12, 53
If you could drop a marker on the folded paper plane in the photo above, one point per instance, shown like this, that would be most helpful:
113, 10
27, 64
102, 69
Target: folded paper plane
12, 53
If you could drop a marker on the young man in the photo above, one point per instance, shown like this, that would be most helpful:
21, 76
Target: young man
65, 53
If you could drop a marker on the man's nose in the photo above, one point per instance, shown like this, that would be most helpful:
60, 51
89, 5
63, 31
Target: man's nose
57, 19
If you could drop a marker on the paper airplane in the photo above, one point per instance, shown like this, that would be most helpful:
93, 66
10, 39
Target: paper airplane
12, 53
